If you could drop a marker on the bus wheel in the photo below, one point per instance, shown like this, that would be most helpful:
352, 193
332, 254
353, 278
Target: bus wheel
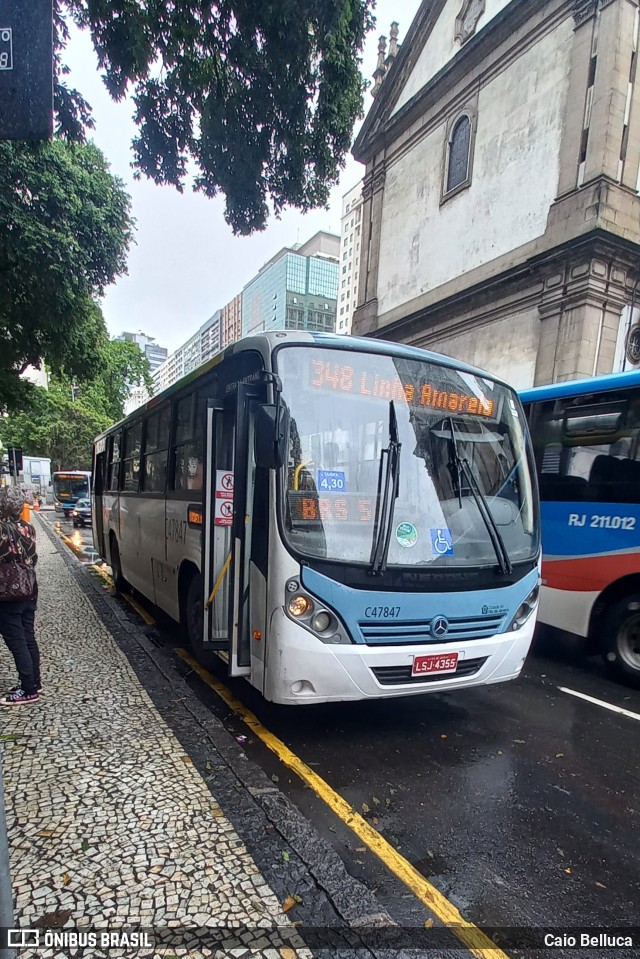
621, 643
119, 581
193, 614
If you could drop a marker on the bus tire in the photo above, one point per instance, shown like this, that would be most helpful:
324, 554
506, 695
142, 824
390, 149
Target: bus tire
621, 641
192, 615
119, 581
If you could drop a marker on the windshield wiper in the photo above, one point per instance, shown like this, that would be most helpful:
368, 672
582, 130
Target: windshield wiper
462, 464
386, 496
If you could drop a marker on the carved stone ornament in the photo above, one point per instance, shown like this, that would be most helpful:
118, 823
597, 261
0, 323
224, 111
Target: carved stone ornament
583, 10
367, 186
632, 346
467, 19
379, 175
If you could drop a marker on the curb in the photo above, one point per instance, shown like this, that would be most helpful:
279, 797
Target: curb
262, 815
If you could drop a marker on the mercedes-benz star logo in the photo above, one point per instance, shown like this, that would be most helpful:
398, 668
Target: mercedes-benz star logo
440, 626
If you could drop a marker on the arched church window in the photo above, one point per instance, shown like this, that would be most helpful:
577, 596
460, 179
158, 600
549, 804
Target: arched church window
459, 153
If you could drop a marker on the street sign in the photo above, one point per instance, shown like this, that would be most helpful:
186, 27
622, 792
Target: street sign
26, 69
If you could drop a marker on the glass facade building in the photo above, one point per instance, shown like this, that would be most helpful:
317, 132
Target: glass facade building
294, 291
297, 289
201, 347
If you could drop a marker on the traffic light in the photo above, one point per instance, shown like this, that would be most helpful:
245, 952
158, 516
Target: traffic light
26, 70
15, 460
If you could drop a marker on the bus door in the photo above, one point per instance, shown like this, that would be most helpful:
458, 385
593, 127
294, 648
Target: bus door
227, 546
99, 483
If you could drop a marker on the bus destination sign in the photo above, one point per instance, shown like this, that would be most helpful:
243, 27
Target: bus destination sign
307, 507
342, 378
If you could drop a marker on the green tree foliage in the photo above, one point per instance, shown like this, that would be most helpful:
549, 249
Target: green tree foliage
65, 228
63, 421
122, 364
261, 94
55, 425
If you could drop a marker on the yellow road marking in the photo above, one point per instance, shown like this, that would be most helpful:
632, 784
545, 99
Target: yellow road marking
69, 542
473, 938
140, 610
99, 570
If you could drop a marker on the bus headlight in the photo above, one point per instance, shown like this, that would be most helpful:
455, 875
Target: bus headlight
311, 614
525, 609
321, 622
300, 605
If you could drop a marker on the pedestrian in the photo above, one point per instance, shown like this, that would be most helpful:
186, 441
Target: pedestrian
17, 616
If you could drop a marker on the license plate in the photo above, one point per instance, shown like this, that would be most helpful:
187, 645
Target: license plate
444, 663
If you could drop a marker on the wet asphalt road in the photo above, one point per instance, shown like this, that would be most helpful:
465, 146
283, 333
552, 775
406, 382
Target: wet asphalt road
80, 539
520, 803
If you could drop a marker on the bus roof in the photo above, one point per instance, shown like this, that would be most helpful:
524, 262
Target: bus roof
72, 473
266, 342
594, 384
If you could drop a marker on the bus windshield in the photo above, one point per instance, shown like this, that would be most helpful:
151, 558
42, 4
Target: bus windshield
461, 484
68, 488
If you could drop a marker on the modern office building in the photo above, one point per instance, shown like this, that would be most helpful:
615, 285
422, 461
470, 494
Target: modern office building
231, 321
154, 353
199, 348
350, 239
137, 396
296, 289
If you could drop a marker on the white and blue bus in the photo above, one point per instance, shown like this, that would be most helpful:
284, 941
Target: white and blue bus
68, 487
336, 518
586, 438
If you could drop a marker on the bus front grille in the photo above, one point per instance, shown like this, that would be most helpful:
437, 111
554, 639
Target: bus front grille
460, 628
401, 675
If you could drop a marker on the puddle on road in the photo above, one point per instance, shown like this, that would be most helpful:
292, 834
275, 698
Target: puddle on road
73, 539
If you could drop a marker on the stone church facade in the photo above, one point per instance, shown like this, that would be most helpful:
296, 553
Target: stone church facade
501, 213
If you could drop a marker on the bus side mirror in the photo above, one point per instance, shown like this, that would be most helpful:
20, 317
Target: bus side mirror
272, 429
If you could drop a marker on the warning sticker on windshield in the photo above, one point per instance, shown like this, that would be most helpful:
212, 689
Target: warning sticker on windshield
442, 542
407, 534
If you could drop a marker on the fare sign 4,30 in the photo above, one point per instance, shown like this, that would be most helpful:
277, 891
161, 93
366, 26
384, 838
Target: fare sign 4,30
223, 508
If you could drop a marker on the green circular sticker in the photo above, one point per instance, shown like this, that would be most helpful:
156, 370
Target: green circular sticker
407, 534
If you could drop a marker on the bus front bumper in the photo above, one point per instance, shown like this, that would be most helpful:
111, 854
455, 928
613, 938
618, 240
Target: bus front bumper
301, 669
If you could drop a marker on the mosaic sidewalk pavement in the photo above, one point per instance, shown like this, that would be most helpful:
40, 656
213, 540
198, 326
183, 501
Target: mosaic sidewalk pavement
109, 822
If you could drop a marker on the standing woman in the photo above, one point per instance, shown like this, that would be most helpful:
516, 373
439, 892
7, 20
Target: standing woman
18, 559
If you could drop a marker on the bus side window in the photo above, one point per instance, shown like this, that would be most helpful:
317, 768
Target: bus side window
188, 445
131, 459
156, 451
113, 470
195, 457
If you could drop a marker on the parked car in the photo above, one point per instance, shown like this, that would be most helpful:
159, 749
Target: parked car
81, 513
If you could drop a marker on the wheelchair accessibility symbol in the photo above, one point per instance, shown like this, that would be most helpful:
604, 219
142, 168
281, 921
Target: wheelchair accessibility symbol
442, 542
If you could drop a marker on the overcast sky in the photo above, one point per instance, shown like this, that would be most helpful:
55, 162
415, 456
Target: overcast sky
186, 263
